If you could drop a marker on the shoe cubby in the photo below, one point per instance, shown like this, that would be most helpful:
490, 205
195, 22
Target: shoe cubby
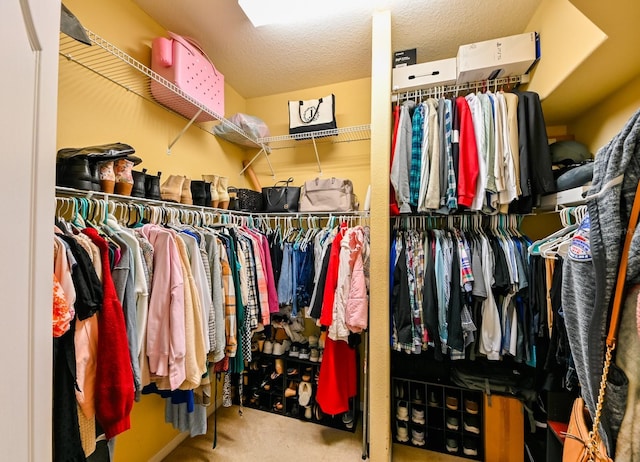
438, 417
276, 383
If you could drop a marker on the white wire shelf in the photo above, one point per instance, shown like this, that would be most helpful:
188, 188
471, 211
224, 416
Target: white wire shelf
113, 64
337, 135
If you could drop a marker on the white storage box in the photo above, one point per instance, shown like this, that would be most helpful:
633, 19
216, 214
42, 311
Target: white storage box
503, 57
424, 75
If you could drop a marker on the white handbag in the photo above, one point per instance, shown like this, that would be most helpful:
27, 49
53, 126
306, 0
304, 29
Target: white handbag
312, 115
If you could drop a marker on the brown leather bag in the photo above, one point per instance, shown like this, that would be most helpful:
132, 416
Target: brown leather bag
583, 442
576, 443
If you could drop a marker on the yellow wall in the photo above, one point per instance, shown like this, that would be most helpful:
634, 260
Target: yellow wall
601, 123
567, 37
94, 111
344, 160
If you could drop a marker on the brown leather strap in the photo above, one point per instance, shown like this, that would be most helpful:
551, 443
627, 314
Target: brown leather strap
622, 270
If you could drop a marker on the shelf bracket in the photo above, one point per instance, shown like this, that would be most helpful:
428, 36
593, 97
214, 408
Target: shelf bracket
315, 149
263, 150
182, 132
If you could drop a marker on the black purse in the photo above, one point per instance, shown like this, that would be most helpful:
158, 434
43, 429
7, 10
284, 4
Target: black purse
245, 200
281, 199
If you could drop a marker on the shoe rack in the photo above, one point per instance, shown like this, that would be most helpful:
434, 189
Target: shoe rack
438, 417
287, 386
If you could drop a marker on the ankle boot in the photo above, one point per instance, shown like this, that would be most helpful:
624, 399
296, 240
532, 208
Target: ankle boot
152, 186
198, 192
74, 172
171, 189
207, 194
138, 189
124, 177
213, 179
107, 176
185, 195
223, 193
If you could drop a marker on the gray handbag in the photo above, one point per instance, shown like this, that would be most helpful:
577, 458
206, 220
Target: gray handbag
328, 195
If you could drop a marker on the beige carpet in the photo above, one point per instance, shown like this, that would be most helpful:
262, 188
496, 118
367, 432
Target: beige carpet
262, 436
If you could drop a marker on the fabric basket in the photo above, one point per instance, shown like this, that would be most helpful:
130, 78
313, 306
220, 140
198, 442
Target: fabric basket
182, 62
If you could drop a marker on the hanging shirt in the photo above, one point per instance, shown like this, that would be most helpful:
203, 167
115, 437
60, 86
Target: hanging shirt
479, 130
468, 165
402, 159
432, 201
417, 135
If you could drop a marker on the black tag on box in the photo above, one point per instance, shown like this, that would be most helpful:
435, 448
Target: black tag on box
404, 58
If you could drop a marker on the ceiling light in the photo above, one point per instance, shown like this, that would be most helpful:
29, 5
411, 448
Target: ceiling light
262, 12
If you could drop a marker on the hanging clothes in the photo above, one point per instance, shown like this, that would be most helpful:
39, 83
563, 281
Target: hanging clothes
470, 152
456, 288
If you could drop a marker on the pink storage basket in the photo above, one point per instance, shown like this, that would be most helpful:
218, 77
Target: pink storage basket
182, 62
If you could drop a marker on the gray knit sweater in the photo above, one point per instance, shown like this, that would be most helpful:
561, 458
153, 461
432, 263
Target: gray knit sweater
588, 284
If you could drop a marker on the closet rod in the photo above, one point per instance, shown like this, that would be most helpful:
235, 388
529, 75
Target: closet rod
455, 88
70, 192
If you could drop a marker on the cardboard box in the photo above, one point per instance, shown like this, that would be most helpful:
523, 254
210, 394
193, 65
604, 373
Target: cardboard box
424, 75
503, 57
404, 57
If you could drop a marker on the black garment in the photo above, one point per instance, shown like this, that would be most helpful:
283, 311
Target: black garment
538, 299
455, 339
316, 309
85, 280
502, 280
429, 297
536, 175
559, 355
275, 250
67, 446
400, 305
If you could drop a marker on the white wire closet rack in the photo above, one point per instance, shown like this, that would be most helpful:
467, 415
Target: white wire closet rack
336, 135
113, 64
493, 85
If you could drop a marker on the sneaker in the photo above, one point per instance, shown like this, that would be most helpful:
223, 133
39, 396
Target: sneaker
471, 424
304, 352
417, 415
402, 434
452, 422
292, 371
417, 437
452, 445
452, 402
399, 390
471, 406
306, 374
418, 395
402, 412
308, 413
347, 419
267, 347
304, 394
313, 341
278, 349
314, 356
434, 398
470, 447
294, 352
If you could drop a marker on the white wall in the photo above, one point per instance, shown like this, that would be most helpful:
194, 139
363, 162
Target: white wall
29, 34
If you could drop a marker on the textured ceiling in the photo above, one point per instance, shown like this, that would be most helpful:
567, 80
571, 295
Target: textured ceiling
281, 58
